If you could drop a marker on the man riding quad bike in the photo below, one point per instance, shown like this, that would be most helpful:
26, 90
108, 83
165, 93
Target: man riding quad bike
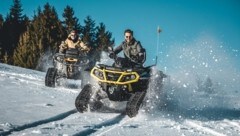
126, 80
70, 65
116, 84
70, 62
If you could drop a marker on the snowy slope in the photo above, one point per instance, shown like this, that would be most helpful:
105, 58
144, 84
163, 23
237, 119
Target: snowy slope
27, 107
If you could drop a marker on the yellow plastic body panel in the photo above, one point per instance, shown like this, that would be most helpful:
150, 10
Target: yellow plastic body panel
119, 81
71, 59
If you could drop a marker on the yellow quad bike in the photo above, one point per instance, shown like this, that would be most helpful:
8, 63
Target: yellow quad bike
117, 84
68, 65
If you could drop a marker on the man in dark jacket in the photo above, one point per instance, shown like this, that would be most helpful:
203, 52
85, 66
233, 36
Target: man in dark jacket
133, 51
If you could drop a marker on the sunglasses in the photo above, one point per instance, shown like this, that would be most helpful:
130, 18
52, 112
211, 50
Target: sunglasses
128, 36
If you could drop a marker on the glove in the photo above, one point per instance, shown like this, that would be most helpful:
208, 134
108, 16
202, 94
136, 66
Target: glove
140, 54
61, 50
134, 58
111, 55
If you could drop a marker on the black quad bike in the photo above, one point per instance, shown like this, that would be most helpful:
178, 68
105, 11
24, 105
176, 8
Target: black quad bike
68, 65
117, 84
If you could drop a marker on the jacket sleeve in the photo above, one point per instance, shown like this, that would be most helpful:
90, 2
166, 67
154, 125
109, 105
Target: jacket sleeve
141, 53
139, 47
118, 49
63, 46
83, 46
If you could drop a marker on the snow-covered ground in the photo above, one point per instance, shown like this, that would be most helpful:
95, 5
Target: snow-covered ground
27, 107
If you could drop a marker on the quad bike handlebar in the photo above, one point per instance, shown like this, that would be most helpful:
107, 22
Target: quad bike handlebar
135, 59
65, 59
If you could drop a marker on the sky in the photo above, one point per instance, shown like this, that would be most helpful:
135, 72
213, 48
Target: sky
183, 22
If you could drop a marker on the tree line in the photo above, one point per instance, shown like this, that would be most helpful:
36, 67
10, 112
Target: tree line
24, 42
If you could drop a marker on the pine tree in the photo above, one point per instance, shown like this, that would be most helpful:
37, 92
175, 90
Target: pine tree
103, 38
6, 58
21, 53
16, 11
14, 25
88, 32
208, 85
70, 22
49, 32
44, 33
27, 53
1, 36
1, 21
97, 38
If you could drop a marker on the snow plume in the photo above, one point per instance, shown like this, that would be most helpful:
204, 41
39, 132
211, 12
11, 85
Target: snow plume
155, 98
45, 61
204, 59
105, 59
202, 74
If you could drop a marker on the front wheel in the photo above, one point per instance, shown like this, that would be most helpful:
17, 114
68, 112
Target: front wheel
50, 77
83, 99
134, 103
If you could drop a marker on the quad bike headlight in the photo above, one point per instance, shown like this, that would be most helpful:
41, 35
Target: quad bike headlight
133, 77
98, 73
129, 77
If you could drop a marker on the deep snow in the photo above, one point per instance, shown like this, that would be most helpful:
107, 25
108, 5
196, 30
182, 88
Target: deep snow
30, 108
190, 103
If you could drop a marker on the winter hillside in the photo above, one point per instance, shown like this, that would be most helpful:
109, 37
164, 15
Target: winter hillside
190, 103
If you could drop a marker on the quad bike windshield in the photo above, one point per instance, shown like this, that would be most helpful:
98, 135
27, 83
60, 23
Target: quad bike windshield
114, 75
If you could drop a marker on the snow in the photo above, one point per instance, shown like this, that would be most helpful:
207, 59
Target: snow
187, 105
